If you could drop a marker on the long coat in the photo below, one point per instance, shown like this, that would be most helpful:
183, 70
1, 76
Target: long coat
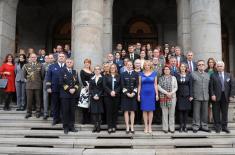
96, 106
184, 92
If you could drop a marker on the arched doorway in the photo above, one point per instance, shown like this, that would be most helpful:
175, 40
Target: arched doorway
62, 33
153, 22
140, 30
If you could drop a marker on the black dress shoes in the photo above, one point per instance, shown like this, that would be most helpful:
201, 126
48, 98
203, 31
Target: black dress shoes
73, 130
195, 131
38, 115
45, 117
185, 129
28, 115
180, 129
206, 130
66, 131
226, 130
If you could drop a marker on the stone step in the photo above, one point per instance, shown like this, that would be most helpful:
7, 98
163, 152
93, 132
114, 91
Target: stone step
103, 134
119, 143
40, 151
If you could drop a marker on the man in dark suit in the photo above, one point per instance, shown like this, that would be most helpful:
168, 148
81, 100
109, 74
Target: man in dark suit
180, 58
52, 86
192, 65
220, 91
132, 56
68, 81
173, 67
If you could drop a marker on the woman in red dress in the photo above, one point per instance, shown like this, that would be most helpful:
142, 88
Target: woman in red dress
7, 71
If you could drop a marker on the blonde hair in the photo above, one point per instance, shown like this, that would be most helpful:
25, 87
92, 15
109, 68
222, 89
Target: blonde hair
146, 62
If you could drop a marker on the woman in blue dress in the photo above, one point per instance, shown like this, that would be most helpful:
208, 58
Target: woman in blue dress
148, 94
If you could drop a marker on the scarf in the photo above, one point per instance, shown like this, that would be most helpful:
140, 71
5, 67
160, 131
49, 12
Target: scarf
166, 84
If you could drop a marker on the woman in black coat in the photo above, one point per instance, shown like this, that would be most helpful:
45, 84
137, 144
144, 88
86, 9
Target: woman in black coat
184, 96
129, 80
112, 87
96, 98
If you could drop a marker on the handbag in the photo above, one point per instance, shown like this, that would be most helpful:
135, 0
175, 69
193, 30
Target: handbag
84, 99
3, 82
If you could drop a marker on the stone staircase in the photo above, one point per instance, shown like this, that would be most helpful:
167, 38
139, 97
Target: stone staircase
37, 137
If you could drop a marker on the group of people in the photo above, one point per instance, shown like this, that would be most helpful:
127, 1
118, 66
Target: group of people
138, 82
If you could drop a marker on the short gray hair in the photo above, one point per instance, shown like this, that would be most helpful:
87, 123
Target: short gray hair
220, 63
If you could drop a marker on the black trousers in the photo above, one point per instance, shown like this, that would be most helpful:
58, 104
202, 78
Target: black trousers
8, 98
217, 107
111, 105
183, 117
56, 106
68, 112
85, 116
33, 95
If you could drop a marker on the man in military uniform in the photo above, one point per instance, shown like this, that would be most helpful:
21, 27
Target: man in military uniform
49, 59
52, 85
68, 93
33, 73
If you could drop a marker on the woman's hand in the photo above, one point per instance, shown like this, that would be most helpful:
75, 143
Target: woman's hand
190, 99
6, 73
138, 98
157, 98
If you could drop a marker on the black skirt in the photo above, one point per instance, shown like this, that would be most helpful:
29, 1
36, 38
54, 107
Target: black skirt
96, 106
129, 104
183, 103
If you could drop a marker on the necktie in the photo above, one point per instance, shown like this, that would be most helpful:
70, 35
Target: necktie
190, 66
132, 57
222, 81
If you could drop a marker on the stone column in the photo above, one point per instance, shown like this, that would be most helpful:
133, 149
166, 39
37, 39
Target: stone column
206, 29
183, 25
87, 31
108, 27
7, 27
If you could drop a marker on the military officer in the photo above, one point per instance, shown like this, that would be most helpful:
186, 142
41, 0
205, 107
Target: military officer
52, 84
68, 81
34, 74
129, 81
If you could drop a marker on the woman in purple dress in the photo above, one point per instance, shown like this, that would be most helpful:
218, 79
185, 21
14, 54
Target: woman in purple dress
148, 94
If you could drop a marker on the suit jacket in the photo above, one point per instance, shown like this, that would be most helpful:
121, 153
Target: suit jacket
129, 82
216, 86
96, 88
194, 65
136, 56
34, 75
68, 81
19, 73
119, 64
185, 88
200, 86
107, 84
182, 59
52, 77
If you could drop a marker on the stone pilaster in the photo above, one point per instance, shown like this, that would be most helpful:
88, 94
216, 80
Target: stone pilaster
206, 29
87, 31
7, 27
108, 27
183, 24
